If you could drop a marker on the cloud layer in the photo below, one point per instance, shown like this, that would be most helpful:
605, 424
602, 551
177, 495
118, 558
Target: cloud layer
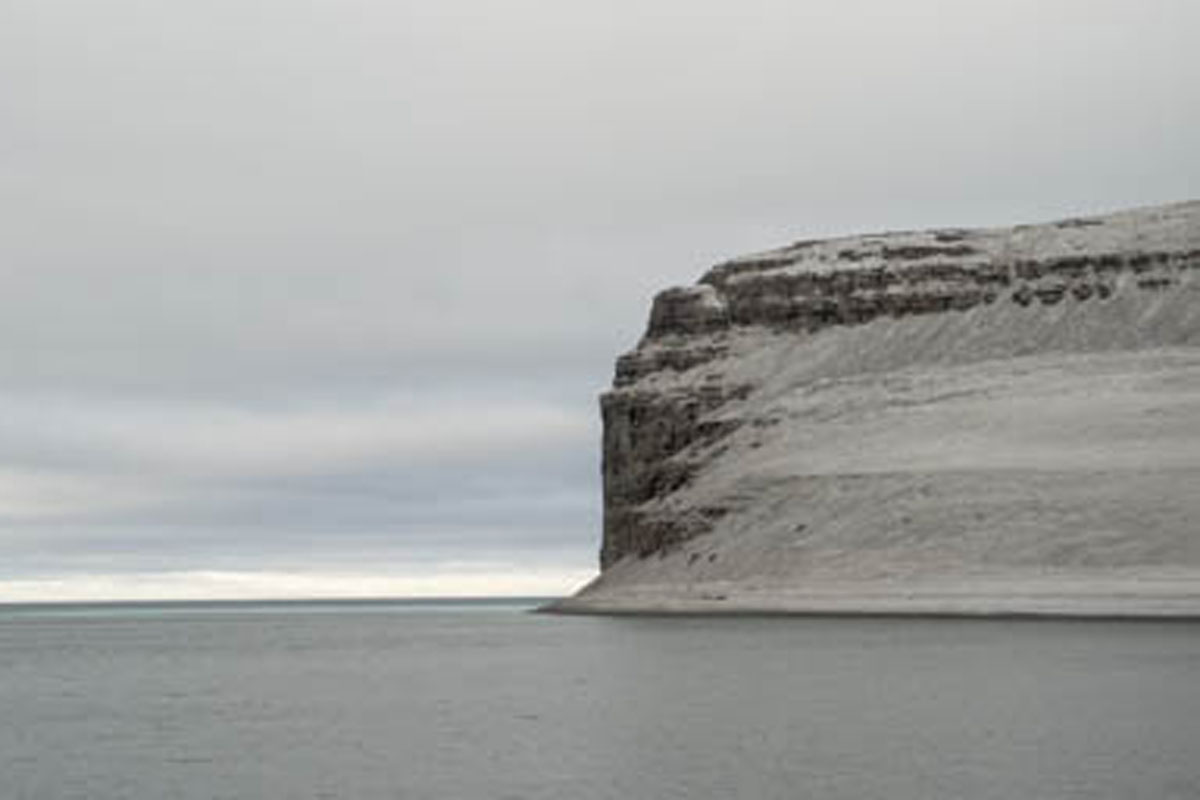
330, 291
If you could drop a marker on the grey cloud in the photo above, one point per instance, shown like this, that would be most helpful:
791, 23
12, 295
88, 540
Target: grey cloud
338, 284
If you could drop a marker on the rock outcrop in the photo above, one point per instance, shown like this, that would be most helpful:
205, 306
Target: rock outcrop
965, 421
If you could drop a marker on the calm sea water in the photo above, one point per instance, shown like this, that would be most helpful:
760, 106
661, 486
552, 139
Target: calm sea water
484, 701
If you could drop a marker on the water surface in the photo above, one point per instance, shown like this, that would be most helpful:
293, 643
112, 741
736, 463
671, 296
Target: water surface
387, 700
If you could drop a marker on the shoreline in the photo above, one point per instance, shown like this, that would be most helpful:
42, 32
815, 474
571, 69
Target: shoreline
1129, 599
568, 610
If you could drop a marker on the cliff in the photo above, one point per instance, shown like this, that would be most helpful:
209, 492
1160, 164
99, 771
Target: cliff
951, 421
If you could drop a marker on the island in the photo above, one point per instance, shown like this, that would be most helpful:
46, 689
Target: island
947, 422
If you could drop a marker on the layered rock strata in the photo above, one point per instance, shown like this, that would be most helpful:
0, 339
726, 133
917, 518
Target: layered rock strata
963, 421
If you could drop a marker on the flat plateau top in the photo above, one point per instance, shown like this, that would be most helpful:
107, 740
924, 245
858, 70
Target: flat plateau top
1171, 228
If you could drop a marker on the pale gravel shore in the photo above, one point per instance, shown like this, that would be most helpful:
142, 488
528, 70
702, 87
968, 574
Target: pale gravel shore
1152, 597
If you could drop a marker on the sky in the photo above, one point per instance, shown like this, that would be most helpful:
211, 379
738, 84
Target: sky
317, 299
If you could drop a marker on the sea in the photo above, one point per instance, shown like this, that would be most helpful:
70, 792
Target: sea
482, 699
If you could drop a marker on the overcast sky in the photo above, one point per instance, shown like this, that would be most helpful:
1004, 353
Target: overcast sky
317, 298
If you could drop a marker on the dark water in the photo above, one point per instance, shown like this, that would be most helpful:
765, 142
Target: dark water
386, 701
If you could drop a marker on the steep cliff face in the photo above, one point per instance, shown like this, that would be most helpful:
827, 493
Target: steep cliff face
896, 414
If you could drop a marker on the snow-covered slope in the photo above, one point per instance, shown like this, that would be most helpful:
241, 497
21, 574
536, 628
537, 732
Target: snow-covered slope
997, 421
